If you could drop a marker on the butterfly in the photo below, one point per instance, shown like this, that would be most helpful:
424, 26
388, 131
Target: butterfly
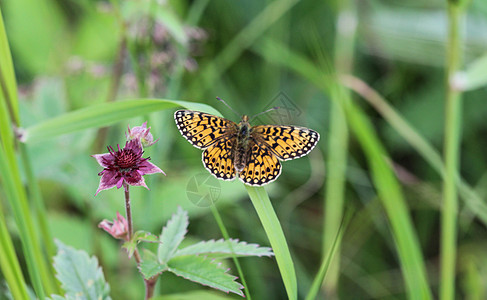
253, 153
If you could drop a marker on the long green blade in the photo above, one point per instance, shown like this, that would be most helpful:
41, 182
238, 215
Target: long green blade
103, 115
272, 227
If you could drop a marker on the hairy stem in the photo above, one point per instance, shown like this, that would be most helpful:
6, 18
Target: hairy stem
128, 210
151, 282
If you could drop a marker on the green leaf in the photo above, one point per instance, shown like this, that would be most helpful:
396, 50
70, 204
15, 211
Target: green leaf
204, 271
80, 275
172, 235
103, 115
151, 266
276, 237
139, 236
222, 249
145, 236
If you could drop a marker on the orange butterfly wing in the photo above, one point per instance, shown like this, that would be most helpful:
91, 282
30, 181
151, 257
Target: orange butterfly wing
262, 166
218, 159
286, 142
201, 129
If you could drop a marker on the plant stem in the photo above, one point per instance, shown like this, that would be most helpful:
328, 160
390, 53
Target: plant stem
151, 282
453, 111
128, 210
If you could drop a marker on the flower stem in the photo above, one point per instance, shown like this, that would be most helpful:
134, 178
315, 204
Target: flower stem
128, 210
150, 283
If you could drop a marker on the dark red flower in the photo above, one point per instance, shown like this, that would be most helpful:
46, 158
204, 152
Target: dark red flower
124, 165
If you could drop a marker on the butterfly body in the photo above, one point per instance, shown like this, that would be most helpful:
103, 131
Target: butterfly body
252, 153
241, 150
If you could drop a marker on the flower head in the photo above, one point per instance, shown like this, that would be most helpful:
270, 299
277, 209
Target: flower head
124, 165
118, 228
141, 133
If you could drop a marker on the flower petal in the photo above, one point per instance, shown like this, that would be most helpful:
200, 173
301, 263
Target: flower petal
108, 180
105, 160
135, 178
146, 167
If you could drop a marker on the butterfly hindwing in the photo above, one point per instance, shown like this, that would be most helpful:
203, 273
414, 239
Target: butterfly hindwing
258, 150
218, 159
262, 166
202, 129
286, 142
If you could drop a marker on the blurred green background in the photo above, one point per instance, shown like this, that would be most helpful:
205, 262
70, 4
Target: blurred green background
72, 54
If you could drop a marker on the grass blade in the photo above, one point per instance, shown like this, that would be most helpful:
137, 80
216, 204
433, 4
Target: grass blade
7, 75
407, 244
453, 109
14, 190
224, 232
272, 227
472, 199
325, 264
103, 115
338, 141
244, 39
8, 261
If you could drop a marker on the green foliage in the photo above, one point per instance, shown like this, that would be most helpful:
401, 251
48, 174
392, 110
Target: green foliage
69, 69
80, 276
139, 236
204, 271
172, 235
196, 262
224, 249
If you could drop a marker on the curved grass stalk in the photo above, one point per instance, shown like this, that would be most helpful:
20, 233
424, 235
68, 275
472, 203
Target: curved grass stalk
453, 110
9, 263
272, 227
103, 115
325, 264
406, 241
472, 200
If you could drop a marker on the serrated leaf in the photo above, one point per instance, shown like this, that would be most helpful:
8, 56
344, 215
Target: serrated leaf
222, 249
172, 235
80, 275
204, 271
151, 267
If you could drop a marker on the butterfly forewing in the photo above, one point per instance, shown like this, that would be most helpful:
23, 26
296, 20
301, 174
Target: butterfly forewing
218, 159
225, 142
262, 166
201, 129
286, 142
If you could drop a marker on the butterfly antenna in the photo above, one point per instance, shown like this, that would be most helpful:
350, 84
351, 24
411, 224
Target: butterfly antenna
228, 106
264, 112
